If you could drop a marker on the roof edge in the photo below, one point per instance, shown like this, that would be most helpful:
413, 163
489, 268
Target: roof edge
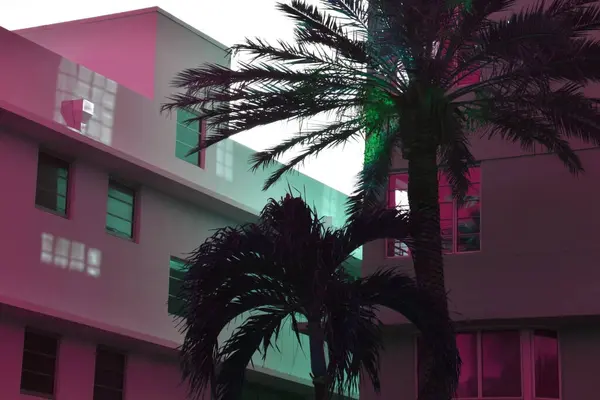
132, 13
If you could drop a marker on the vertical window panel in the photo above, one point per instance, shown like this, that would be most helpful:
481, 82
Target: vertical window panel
109, 374
52, 184
176, 275
545, 355
38, 368
188, 136
501, 364
120, 209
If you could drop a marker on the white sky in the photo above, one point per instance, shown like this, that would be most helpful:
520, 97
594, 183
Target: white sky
228, 21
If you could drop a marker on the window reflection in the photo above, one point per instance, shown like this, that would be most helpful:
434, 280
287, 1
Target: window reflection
501, 364
545, 352
460, 225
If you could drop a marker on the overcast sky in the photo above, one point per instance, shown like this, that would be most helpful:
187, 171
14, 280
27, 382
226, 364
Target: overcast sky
228, 21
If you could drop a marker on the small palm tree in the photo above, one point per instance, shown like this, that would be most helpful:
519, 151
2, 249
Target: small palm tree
288, 266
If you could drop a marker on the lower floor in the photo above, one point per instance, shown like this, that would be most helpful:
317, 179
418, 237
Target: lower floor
45, 358
533, 360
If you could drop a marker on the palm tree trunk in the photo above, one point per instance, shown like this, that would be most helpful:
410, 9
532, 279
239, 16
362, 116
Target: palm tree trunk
318, 363
427, 257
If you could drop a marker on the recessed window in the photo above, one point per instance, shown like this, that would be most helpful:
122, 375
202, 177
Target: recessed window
187, 138
109, 375
120, 210
52, 184
176, 274
460, 224
38, 369
497, 365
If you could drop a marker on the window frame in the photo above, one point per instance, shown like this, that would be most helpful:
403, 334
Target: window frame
528, 377
68, 166
47, 335
173, 298
121, 186
201, 137
123, 373
455, 208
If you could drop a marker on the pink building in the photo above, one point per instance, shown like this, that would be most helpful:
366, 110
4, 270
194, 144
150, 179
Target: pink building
103, 203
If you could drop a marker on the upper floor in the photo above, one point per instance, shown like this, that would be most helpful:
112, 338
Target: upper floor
116, 70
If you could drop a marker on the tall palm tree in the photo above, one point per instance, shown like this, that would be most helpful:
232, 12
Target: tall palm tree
288, 266
393, 72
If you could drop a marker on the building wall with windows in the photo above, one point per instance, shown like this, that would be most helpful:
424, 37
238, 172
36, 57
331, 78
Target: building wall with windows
98, 210
126, 104
525, 361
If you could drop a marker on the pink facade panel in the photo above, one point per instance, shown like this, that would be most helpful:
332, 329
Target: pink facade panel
108, 45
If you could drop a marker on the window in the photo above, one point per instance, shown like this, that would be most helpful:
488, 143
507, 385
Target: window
39, 363
546, 364
176, 275
497, 365
187, 137
52, 184
109, 375
120, 210
460, 225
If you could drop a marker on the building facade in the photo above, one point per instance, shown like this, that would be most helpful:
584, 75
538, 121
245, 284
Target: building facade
522, 275
102, 203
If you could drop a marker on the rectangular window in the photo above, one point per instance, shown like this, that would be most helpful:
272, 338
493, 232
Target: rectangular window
187, 138
120, 210
109, 375
460, 225
52, 183
176, 275
497, 365
546, 364
38, 369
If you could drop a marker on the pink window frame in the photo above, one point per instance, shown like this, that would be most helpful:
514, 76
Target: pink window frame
202, 140
527, 365
391, 189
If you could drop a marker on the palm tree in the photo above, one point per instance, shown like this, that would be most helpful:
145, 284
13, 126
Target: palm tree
289, 267
393, 72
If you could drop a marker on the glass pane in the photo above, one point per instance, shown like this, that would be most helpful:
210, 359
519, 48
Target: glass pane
40, 363
102, 393
501, 364
446, 227
468, 225
119, 226
446, 211
61, 186
37, 383
186, 135
176, 264
545, 348
183, 116
120, 209
175, 305
46, 199
467, 347
40, 344
174, 285
181, 151
110, 360
468, 243
395, 248
445, 194
475, 174
108, 378
119, 192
